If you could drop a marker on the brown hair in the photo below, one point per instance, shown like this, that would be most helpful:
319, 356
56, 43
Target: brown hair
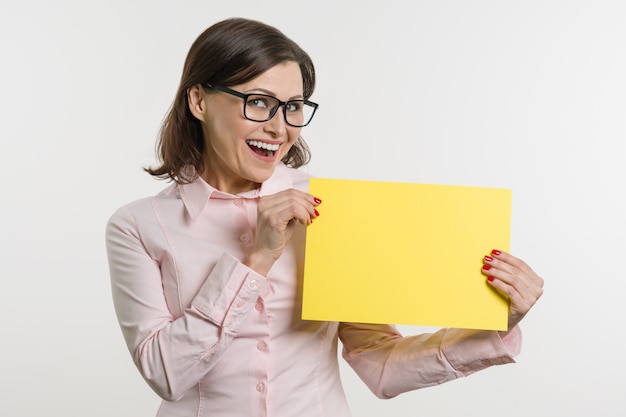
228, 53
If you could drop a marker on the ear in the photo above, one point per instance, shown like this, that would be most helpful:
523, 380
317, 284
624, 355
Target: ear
196, 101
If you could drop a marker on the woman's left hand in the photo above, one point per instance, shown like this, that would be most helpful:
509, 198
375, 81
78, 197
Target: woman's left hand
516, 280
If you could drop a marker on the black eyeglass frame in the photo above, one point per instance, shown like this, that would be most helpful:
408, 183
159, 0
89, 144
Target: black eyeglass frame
273, 111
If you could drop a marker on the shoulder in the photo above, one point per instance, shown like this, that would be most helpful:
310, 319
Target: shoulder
297, 178
128, 214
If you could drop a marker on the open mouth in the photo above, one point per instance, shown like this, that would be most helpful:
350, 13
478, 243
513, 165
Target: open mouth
262, 148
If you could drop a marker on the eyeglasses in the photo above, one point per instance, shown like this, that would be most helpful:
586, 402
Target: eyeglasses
261, 107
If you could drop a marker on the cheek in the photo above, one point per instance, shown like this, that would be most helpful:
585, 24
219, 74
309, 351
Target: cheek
290, 141
294, 133
230, 131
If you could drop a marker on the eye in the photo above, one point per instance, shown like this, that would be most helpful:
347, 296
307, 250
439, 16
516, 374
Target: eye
293, 106
259, 102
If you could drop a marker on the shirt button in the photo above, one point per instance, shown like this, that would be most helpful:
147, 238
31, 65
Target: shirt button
243, 238
241, 303
253, 284
261, 346
260, 387
238, 202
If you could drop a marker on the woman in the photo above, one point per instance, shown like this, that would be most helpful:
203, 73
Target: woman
206, 276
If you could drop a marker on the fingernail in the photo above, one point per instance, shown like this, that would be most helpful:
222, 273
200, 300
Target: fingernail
486, 267
495, 252
316, 212
490, 278
488, 259
317, 200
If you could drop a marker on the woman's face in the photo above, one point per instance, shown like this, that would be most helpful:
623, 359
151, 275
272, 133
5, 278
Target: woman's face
234, 160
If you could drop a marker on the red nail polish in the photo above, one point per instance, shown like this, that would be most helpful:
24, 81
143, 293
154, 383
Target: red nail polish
317, 200
488, 259
495, 252
486, 267
316, 212
490, 278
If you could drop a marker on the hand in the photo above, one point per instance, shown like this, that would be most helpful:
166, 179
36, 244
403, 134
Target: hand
517, 281
277, 215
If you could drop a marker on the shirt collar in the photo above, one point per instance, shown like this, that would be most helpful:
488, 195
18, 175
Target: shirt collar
196, 194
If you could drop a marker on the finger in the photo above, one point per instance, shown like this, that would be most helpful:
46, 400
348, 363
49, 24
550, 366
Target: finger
516, 279
279, 209
503, 261
506, 290
292, 194
506, 261
522, 290
308, 201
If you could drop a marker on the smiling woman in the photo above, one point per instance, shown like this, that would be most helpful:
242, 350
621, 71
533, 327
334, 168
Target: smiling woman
206, 276
240, 152
229, 53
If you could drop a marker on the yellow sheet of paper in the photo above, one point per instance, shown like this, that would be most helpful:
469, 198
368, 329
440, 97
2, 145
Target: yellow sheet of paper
399, 253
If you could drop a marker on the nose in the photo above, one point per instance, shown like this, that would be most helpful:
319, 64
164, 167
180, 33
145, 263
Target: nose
277, 124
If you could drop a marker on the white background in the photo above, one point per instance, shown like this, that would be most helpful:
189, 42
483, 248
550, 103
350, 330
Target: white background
527, 95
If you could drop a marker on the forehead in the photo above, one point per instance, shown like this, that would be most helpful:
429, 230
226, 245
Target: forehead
283, 80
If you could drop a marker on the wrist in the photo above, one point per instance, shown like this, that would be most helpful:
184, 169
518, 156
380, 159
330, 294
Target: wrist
258, 262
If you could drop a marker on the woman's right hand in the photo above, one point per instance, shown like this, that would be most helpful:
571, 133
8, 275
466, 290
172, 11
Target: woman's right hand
277, 215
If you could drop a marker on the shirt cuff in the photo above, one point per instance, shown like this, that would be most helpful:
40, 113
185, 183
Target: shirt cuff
228, 294
469, 351
512, 340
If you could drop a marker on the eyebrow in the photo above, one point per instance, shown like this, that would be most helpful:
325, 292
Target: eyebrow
271, 93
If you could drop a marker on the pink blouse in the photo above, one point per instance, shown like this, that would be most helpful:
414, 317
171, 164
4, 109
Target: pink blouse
214, 338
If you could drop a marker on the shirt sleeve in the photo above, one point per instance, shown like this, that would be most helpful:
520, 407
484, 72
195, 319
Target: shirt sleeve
391, 364
173, 354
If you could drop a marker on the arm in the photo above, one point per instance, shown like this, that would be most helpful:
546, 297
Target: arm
391, 364
173, 354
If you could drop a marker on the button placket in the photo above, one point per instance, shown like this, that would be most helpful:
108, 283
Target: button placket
245, 233
260, 356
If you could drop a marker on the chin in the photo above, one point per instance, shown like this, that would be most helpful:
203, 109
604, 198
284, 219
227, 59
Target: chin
260, 176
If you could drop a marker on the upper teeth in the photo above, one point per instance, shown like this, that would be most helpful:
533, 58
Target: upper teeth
263, 145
